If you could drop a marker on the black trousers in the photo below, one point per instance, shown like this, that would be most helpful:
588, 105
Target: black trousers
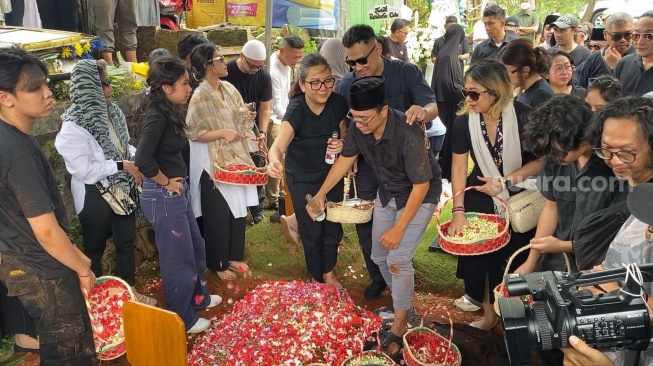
15, 319
258, 210
367, 188
59, 14
15, 18
447, 114
99, 222
224, 235
58, 308
320, 239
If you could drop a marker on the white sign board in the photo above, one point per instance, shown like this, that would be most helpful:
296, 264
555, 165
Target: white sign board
384, 12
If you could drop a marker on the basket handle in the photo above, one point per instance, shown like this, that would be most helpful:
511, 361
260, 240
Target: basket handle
516, 253
262, 147
438, 212
349, 179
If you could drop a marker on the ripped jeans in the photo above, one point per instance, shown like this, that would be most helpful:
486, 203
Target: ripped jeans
396, 265
58, 308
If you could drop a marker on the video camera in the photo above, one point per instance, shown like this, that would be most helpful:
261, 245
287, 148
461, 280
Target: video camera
609, 321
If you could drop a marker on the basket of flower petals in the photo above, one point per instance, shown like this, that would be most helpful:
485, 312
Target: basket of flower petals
242, 174
425, 347
369, 358
485, 233
104, 302
350, 210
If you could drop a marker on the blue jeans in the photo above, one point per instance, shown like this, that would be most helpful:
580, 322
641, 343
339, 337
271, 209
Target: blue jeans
182, 258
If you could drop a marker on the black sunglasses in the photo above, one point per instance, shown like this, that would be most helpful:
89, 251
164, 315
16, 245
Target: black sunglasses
473, 94
602, 82
596, 47
362, 60
616, 37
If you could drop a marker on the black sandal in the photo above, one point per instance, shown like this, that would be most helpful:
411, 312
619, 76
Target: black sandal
389, 339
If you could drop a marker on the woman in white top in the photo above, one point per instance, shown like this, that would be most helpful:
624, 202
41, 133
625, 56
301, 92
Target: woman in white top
94, 143
217, 114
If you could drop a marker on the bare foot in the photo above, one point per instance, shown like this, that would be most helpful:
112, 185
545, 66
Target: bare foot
226, 275
330, 279
236, 266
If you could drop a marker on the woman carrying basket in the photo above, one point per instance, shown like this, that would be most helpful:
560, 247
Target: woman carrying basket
220, 136
489, 129
312, 116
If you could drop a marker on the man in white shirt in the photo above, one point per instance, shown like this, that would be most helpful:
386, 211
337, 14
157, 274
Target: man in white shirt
281, 64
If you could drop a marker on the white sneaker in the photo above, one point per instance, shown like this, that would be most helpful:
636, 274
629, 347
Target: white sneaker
465, 305
200, 325
215, 301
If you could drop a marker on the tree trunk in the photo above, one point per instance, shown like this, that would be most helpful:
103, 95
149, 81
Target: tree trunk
587, 17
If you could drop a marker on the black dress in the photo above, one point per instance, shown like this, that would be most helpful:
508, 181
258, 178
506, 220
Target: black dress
473, 269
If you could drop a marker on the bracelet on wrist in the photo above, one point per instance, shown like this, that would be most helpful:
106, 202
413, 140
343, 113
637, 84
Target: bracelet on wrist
167, 183
120, 165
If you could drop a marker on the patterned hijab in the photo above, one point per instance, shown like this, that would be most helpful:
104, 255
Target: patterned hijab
90, 111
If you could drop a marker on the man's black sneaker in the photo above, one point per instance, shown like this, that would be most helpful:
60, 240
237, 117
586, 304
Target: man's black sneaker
374, 290
275, 217
435, 245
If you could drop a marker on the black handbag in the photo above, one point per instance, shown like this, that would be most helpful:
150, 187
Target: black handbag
595, 233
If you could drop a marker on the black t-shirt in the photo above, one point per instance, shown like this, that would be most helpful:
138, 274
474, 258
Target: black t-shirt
634, 80
578, 54
252, 87
28, 189
536, 94
160, 146
308, 147
399, 159
398, 50
476, 201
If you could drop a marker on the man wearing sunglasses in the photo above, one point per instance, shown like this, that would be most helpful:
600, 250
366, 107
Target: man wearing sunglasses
634, 71
618, 35
406, 91
564, 31
247, 73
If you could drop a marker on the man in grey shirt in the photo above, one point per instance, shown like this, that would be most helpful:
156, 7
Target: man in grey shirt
397, 39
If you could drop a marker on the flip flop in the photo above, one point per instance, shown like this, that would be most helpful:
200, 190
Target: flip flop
389, 339
143, 299
226, 275
237, 266
472, 324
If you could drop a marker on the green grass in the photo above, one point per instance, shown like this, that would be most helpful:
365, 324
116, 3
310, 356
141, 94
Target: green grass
269, 255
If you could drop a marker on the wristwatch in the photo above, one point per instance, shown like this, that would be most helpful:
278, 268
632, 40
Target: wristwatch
507, 183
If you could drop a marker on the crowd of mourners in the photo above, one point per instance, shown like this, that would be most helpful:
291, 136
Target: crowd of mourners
572, 111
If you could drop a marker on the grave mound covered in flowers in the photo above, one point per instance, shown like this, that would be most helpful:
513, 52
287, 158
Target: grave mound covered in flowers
287, 323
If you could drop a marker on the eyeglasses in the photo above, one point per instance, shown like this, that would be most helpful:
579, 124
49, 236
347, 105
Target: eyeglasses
596, 47
221, 59
647, 36
602, 82
317, 84
402, 32
254, 67
605, 154
106, 82
361, 122
362, 60
561, 70
616, 37
473, 95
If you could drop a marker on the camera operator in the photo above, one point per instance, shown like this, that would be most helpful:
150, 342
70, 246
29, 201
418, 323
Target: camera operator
580, 354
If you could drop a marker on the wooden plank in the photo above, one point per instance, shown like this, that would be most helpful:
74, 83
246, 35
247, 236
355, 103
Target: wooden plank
153, 336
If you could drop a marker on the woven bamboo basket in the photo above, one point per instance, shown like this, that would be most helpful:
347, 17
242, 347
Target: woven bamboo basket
373, 356
500, 291
242, 174
524, 209
458, 246
430, 340
350, 211
109, 346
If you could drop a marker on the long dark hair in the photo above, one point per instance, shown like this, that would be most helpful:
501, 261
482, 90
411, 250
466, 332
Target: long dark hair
520, 53
200, 57
165, 70
308, 61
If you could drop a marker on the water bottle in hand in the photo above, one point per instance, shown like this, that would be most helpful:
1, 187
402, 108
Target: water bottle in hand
314, 208
331, 158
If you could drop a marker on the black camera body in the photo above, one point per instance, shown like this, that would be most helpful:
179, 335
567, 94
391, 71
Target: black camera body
609, 321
